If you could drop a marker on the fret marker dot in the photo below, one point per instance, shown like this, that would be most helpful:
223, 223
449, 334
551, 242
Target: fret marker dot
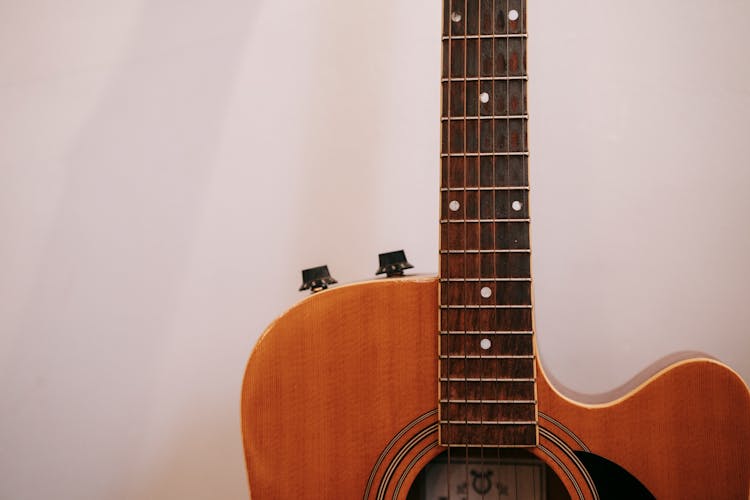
456, 17
517, 206
454, 206
484, 97
485, 344
486, 292
513, 15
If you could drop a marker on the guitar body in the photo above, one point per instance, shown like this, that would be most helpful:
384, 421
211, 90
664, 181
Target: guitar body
339, 401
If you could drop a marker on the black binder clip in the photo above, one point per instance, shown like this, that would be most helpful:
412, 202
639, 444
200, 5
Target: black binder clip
316, 279
393, 263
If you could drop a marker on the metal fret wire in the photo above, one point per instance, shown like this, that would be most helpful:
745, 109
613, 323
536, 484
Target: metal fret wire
464, 155
496, 193
449, 67
524, 142
508, 141
491, 102
466, 124
524, 139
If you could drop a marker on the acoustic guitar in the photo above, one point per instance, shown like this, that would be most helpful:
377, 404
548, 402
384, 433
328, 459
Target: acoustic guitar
431, 388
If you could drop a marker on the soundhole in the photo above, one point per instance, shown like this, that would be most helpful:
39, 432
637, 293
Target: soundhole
487, 474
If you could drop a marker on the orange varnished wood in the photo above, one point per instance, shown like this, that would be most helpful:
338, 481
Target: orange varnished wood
684, 433
334, 380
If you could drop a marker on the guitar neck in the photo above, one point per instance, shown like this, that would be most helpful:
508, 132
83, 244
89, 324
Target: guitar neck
487, 369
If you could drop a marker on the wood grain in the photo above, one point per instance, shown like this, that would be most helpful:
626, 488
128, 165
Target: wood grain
333, 382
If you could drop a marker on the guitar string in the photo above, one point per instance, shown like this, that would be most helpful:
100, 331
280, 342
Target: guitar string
521, 139
478, 92
465, 224
494, 157
527, 182
508, 28
523, 146
503, 29
525, 207
449, 73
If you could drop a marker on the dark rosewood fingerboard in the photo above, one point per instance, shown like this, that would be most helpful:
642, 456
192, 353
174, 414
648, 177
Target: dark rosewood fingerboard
487, 370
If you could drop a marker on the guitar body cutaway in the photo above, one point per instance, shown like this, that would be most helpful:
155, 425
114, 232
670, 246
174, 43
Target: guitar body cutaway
340, 395
352, 392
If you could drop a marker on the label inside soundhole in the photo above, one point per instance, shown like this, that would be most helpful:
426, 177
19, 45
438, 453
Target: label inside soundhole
498, 475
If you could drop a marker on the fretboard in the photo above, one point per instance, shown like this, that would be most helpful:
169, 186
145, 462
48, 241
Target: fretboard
487, 370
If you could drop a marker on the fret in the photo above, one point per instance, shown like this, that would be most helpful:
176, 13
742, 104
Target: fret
476, 251
489, 413
484, 445
484, 78
476, 153
483, 251
488, 401
488, 356
487, 368
484, 188
471, 280
480, 422
484, 97
485, 171
484, 332
486, 350
483, 17
486, 37
487, 345
483, 292
489, 319
485, 117
484, 434
475, 135
504, 306
487, 389
484, 205
497, 264
490, 236
487, 379
454, 221
469, 57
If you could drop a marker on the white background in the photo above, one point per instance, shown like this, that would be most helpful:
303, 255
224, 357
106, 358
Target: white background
168, 167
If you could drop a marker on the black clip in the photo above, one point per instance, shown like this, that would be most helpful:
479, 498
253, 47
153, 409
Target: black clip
393, 263
316, 279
